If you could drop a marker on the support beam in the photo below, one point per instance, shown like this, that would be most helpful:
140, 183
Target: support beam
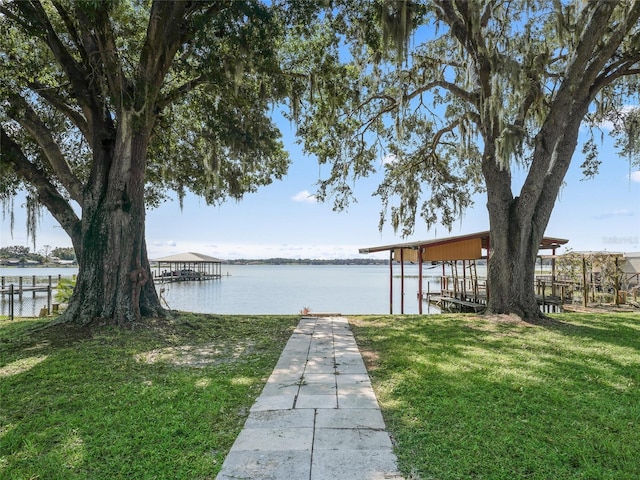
420, 280
391, 282
402, 281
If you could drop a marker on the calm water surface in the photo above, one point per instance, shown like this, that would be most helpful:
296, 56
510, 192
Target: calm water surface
287, 289
271, 289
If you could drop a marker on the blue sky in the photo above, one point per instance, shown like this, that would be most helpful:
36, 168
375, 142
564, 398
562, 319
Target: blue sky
284, 220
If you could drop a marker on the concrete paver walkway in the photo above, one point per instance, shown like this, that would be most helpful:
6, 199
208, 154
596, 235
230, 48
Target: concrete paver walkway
317, 417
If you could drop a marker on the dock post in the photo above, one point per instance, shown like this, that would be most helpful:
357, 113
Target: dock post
49, 299
585, 288
420, 293
11, 301
20, 287
33, 284
391, 281
402, 281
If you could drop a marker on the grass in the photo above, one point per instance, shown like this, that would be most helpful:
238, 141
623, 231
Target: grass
468, 397
162, 401
464, 397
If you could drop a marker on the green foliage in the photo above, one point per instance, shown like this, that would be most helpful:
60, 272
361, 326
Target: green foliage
601, 271
63, 253
14, 251
212, 133
468, 83
65, 289
21, 252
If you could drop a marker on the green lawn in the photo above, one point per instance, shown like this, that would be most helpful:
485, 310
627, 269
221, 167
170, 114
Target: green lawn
464, 397
164, 401
467, 397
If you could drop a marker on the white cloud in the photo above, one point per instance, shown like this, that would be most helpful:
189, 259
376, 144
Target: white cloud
389, 159
614, 213
608, 124
165, 243
635, 176
266, 250
304, 196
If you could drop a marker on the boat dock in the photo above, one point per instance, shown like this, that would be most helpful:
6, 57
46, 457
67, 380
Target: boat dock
186, 267
8, 287
462, 290
14, 288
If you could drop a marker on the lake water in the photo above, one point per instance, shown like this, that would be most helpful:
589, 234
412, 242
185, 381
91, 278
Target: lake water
272, 289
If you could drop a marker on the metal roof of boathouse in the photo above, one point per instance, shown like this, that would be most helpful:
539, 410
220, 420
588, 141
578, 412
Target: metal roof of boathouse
189, 257
454, 248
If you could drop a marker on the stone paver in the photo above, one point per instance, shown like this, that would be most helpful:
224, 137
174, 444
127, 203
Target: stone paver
317, 417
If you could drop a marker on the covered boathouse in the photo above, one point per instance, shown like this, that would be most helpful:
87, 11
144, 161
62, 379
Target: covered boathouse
464, 289
186, 267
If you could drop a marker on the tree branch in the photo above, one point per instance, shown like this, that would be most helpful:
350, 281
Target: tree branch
48, 195
77, 76
446, 129
73, 32
50, 95
110, 64
610, 77
22, 113
457, 16
178, 92
457, 91
164, 33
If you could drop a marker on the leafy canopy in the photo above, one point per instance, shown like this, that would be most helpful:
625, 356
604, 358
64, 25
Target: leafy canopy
418, 89
213, 134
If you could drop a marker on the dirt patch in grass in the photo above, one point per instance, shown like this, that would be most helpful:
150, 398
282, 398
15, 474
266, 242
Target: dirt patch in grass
21, 365
35, 334
371, 359
511, 319
199, 355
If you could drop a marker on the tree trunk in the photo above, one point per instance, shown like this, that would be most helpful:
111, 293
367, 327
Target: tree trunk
114, 283
513, 246
511, 267
518, 224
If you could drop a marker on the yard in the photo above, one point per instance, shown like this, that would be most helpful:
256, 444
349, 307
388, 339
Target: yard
463, 396
493, 398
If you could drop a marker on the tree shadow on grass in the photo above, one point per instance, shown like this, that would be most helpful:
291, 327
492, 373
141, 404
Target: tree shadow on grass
465, 397
84, 406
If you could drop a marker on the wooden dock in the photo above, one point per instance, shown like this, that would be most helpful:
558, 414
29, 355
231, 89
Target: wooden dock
19, 286
548, 304
185, 276
15, 290
453, 304
33, 283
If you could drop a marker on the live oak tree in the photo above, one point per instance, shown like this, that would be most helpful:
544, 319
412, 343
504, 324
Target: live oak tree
107, 105
450, 95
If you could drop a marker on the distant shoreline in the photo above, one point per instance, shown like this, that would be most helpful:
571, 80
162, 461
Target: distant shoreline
248, 261
306, 261
40, 265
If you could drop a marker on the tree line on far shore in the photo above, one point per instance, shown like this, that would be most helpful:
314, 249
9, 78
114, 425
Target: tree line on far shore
308, 261
22, 255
